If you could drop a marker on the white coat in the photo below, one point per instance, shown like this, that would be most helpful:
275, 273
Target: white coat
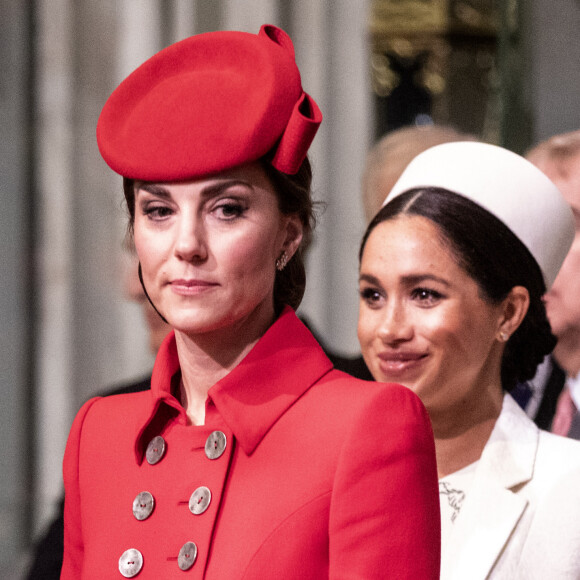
521, 516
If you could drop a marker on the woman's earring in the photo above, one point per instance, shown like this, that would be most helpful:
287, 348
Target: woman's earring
281, 261
503, 336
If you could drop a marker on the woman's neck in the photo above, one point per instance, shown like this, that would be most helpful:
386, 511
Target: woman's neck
461, 433
207, 358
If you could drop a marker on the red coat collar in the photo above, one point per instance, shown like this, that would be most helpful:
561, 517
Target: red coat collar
284, 364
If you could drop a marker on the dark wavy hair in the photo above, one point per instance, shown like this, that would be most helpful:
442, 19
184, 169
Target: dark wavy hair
494, 257
294, 194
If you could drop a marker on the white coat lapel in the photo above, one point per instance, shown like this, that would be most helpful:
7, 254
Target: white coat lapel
492, 510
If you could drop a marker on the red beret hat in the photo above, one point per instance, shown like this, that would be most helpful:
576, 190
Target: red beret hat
209, 103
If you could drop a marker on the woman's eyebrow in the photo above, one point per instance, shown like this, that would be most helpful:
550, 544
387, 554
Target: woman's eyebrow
370, 279
214, 189
410, 279
211, 190
154, 189
413, 279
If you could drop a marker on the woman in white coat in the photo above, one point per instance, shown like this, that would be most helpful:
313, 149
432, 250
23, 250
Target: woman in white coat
453, 270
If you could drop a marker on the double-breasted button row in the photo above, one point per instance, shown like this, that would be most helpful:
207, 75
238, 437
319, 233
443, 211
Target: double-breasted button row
215, 446
144, 503
131, 561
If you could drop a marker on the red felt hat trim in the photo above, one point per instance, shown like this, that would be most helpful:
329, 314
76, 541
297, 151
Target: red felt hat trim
299, 133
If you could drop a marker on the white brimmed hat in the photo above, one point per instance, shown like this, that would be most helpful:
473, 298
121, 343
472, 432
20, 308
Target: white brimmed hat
506, 185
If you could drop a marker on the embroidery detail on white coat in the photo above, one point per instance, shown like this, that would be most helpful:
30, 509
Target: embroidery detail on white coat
455, 498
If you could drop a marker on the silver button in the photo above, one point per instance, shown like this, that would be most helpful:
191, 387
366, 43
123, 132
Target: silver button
143, 505
130, 563
187, 556
155, 450
215, 445
199, 500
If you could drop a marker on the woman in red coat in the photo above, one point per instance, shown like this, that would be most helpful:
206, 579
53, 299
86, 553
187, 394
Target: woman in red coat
250, 457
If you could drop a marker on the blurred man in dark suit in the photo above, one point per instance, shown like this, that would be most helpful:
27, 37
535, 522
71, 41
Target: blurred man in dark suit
555, 396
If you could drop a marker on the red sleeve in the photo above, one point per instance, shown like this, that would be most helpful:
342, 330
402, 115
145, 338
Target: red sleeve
384, 513
73, 538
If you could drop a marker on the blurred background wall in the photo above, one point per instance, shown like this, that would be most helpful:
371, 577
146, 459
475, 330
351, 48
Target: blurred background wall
505, 70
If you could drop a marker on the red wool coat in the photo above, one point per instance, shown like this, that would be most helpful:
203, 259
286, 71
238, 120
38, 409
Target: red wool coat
300, 472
